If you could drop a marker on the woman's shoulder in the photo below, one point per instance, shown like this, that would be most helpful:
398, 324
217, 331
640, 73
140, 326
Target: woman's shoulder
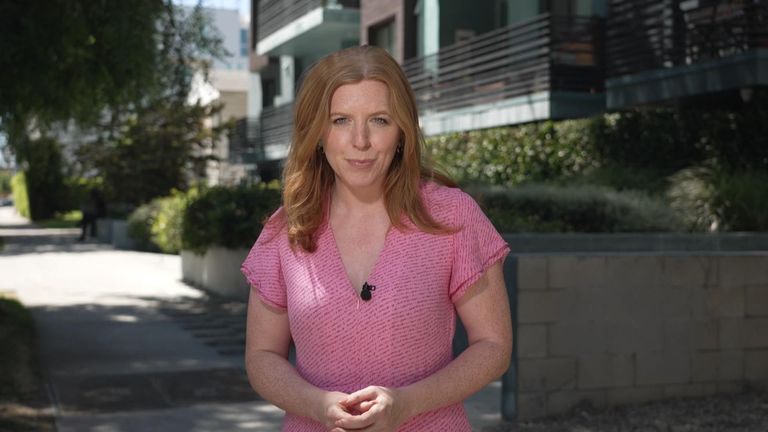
443, 201
274, 228
441, 195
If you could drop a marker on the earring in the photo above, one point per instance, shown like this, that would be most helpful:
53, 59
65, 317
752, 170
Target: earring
320, 148
399, 148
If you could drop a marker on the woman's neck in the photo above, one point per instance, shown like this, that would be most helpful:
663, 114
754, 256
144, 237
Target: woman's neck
357, 201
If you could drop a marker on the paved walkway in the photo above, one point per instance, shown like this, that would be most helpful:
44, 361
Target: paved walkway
127, 347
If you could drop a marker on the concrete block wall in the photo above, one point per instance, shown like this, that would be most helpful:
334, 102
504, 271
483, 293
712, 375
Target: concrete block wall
627, 328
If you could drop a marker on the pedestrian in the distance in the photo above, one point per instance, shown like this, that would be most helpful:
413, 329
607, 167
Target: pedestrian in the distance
94, 209
366, 265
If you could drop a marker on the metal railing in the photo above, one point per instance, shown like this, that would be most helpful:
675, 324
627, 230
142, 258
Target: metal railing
252, 138
276, 125
275, 14
245, 144
546, 53
645, 35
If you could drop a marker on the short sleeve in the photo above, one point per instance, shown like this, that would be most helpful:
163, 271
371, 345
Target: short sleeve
476, 245
262, 267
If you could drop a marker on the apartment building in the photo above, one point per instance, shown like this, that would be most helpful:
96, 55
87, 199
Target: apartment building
492, 63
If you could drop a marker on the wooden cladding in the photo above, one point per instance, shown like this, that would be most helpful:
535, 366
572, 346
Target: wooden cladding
546, 53
643, 35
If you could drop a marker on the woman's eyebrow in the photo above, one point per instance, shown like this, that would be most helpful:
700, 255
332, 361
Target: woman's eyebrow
380, 112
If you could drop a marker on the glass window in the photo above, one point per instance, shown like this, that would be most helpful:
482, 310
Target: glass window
244, 42
383, 35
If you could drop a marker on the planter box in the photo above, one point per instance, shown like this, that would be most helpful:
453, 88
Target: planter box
217, 271
119, 235
104, 229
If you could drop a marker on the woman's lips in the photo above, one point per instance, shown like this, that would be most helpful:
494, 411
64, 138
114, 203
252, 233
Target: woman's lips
361, 163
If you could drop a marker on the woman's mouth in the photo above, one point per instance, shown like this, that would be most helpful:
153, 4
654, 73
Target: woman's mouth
361, 163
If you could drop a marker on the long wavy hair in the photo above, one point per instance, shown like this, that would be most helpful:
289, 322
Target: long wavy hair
308, 178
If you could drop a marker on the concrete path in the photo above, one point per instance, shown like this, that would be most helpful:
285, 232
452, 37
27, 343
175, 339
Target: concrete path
127, 347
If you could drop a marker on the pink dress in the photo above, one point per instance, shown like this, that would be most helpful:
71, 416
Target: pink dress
405, 332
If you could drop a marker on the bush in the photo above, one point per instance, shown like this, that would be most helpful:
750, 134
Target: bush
228, 217
20, 196
545, 208
167, 227
713, 199
45, 186
515, 155
139, 226
5, 183
658, 139
157, 226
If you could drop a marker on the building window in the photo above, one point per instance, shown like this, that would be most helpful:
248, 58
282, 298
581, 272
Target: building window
383, 35
244, 42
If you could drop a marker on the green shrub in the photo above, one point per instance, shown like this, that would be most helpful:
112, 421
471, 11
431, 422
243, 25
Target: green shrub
659, 139
139, 226
515, 155
46, 189
546, 208
228, 217
5, 183
167, 227
20, 196
715, 200
620, 178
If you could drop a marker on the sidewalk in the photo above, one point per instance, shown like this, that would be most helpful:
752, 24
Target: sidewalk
127, 346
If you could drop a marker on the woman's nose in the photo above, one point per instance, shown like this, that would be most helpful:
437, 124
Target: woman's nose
361, 141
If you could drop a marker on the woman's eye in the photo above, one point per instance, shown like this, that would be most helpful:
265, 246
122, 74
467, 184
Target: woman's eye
339, 120
381, 121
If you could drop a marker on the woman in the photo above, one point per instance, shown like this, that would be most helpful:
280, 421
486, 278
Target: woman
366, 265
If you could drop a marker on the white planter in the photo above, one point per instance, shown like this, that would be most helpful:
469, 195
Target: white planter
192, 268
119, 235
104, 229
218, 271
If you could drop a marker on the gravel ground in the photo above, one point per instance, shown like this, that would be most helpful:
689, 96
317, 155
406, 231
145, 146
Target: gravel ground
745, 412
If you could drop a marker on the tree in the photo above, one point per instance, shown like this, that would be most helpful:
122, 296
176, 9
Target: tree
72, 58
122, 70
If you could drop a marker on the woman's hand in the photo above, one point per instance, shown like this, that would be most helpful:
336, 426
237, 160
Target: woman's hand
331, 410
375, 409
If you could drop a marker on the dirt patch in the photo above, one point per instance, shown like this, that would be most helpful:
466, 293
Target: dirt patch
745, 412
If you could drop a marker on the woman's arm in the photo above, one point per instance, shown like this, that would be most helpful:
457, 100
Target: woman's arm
267, 343
484, 311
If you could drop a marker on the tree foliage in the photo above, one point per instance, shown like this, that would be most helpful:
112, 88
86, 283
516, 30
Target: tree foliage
71, 58
122, 71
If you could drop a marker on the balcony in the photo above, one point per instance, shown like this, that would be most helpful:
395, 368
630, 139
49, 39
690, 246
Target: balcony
657, 51
548, 67
258, 140
304, 27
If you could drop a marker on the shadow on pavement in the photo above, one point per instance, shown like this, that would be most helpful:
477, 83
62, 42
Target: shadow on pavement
118, 358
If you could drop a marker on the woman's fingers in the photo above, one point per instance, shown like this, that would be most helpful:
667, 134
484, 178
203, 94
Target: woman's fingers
366, 394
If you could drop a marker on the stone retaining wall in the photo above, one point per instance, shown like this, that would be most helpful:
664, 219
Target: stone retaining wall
624, 328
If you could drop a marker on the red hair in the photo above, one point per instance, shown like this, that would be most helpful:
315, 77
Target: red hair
308, 178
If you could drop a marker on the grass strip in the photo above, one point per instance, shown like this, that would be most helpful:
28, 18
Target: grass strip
24, 405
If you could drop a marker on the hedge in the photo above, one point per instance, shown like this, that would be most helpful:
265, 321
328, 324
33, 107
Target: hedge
548, 208
228, 217
20, 195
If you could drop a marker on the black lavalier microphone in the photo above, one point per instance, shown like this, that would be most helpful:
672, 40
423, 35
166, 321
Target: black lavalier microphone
365, 294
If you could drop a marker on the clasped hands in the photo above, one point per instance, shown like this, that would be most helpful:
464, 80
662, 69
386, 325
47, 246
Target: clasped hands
371, 409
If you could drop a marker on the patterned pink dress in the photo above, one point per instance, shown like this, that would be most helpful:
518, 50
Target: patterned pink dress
404, 333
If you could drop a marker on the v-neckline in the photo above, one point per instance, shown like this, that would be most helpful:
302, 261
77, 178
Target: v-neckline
340, 262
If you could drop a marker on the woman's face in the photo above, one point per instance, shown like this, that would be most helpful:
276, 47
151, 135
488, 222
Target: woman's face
361, 137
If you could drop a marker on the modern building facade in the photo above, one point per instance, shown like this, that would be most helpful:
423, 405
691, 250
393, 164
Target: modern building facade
228, 84
493, 63
287, 36
685, 51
